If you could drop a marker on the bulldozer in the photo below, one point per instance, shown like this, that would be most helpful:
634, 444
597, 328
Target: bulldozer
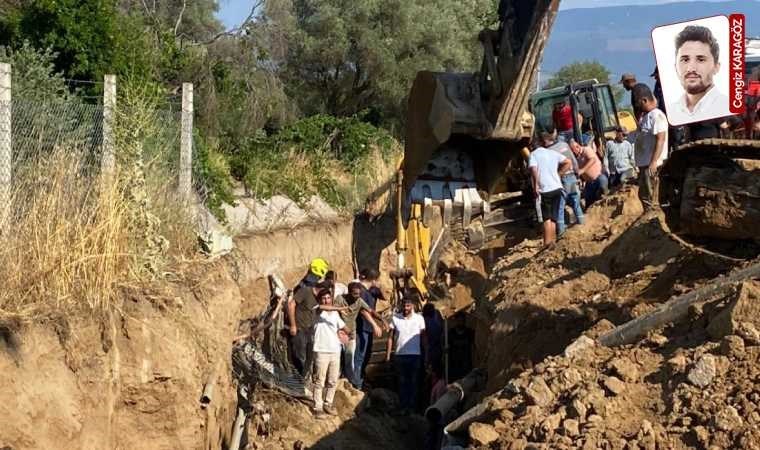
464, 175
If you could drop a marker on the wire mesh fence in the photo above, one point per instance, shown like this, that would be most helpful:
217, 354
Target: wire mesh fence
39, 128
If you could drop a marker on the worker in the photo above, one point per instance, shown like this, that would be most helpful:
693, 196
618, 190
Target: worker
461, 340
651, 146
356, 306
570, 189
590, 171
368, 278
546, 167
339, 288
628, 80
328, 329
434, 331
619, 159
301, 316
562, 118
409, 336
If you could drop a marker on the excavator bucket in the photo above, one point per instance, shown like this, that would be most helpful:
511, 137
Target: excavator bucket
487, 105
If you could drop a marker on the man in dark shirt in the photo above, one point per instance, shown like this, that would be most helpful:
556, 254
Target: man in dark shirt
628, 80
301, 318
368, 279
460, 343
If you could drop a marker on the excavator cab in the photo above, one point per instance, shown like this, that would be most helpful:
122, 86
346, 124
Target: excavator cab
593, 107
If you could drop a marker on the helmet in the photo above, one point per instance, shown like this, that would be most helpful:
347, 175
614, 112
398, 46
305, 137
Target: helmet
319, 267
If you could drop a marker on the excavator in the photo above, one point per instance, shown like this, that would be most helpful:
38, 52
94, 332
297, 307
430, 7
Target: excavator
464, 179
464, 175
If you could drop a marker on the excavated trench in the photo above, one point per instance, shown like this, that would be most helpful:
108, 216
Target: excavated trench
132, 380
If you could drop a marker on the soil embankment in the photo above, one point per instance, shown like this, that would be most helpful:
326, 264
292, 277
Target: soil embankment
687, 385
133, 378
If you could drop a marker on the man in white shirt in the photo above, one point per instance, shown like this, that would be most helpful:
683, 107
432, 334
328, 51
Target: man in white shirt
327, 347
409, 333
651, 147
697, 62
546, 167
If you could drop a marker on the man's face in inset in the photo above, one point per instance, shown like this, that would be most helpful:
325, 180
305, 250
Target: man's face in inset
696, 66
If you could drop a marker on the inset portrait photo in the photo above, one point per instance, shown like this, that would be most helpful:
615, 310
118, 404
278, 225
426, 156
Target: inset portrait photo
693, 64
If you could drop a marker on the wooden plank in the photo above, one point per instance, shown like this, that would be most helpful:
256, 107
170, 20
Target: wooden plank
674, 309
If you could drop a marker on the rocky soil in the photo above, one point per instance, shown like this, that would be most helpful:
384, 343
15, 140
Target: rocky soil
694, 384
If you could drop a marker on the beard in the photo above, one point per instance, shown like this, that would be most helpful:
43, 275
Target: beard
697, 88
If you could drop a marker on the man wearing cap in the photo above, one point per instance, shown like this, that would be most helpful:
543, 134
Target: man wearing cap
409, 333
301, 316
628, 80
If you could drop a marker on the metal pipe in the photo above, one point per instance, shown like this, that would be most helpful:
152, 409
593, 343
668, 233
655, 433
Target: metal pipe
455, 393
208, 389
237, 429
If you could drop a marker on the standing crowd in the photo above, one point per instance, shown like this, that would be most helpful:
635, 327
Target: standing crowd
566, 172
332, 327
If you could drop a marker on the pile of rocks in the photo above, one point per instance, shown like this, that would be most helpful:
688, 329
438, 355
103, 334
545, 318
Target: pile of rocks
692, 390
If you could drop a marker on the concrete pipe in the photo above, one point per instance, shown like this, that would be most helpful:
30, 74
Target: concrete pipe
455, 393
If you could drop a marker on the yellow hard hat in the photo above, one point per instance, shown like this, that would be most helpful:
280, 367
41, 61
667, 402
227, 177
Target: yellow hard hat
319, 267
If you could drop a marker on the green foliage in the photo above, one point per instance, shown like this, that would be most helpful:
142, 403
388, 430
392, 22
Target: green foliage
345, 58
585, 70
211, 173
34, 74
310, 157
579, 71
80, 32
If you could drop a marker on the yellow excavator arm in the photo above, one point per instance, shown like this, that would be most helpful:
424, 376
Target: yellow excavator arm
463, 176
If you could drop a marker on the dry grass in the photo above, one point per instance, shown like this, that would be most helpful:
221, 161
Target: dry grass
70, 238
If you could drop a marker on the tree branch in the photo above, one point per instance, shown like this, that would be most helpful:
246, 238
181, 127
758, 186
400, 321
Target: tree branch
179, 18
237, 30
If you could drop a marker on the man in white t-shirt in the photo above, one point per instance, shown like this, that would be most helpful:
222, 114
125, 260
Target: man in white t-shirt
327, 347
409, 333
546, 167
651, 146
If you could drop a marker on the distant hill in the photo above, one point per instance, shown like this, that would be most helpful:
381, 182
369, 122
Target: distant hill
620, 36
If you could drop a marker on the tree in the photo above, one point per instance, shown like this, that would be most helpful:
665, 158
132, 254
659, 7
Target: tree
579, 71
80, 32
584, 70
345, 57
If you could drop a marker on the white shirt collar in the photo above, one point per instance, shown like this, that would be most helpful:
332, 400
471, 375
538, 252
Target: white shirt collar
704, 103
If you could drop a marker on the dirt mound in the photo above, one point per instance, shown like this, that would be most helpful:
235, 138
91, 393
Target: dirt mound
616, 265
363, 421
673, 390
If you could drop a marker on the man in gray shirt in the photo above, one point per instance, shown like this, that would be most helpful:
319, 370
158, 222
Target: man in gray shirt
619, 159
570, 190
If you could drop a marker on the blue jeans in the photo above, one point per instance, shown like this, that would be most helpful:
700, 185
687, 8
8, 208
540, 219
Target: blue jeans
349, 350
572, 198
594, 189
408, 372
565, 136
363, 347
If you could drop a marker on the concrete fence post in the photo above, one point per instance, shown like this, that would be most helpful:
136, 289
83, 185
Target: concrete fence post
6, 147
186, 143
108, 163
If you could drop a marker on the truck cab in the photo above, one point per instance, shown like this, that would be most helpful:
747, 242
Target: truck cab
593, 108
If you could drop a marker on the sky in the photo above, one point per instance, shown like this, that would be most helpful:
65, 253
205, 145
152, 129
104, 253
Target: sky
232, 12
